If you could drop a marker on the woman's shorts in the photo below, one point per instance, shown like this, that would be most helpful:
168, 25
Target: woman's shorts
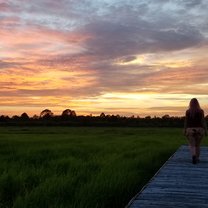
196, 132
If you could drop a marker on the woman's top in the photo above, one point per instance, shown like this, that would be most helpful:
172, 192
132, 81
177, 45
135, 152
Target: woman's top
196, 120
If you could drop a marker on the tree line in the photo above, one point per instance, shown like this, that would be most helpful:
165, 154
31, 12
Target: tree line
70, 118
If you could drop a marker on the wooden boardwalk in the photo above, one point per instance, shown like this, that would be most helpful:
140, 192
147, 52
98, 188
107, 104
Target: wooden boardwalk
178, 183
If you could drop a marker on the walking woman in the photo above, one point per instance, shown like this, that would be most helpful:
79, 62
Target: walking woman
195, 128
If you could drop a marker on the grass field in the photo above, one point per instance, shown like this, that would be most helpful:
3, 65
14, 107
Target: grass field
60, 167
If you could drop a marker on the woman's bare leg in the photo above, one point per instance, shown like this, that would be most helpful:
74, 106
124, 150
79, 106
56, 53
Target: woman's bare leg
198, 142
192, 146
197, 151
193, 150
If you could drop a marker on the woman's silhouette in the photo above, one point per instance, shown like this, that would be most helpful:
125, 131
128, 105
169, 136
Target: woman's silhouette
195, 128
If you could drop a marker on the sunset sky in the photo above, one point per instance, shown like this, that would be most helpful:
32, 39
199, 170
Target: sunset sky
141, 57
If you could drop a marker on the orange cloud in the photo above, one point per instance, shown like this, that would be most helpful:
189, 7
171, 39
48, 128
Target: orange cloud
102, 57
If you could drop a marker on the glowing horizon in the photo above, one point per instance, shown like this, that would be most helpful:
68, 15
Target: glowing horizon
118, 57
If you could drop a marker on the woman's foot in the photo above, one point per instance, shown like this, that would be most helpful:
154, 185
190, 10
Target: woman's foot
194, 159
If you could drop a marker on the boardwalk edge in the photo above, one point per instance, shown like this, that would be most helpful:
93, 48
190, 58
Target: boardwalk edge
134, 197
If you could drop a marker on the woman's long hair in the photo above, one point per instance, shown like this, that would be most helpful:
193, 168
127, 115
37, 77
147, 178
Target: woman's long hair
194, 107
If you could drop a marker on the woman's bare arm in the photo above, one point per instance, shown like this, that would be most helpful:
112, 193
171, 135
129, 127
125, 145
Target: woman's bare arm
185, 124
204, 123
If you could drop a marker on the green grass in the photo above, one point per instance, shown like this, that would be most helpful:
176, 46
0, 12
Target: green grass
60, 167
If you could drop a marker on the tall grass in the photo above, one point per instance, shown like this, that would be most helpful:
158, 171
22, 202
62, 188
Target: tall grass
59, 167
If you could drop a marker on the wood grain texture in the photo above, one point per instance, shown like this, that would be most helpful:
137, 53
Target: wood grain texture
178, 183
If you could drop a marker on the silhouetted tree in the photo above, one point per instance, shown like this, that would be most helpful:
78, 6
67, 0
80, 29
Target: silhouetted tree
165, 116
24, 117
35, 117
15, 117
46, 113
68, 113
102, 115
4, 118
73, 113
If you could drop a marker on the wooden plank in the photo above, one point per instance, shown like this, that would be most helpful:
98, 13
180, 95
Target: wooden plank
178, 183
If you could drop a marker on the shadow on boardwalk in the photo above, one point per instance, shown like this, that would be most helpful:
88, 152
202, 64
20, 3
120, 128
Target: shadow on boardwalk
178, 183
